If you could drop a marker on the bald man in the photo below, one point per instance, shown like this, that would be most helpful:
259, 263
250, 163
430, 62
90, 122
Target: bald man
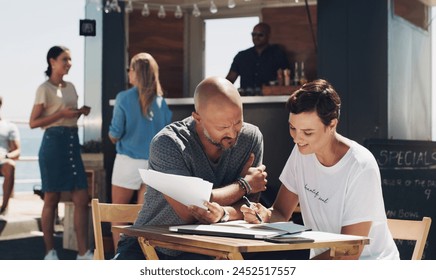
214, 144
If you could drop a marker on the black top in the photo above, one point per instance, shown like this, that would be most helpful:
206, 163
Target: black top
257, 70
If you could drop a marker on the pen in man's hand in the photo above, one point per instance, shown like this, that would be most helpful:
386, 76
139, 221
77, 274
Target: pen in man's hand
248, 203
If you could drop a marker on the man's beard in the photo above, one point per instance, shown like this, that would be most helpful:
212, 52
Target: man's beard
218, 144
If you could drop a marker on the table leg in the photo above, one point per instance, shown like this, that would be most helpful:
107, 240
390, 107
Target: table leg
235, 256
147, 249
337, 252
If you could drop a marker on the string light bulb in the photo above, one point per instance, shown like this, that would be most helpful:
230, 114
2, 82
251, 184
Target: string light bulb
107, 7
178, 13
231, 4
161, 13
129, 7
196, 11
213, 9
145, 10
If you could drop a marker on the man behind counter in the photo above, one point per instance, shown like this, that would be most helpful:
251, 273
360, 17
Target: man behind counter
258, 65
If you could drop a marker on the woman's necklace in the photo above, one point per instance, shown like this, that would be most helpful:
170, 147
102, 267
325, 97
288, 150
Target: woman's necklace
59, 91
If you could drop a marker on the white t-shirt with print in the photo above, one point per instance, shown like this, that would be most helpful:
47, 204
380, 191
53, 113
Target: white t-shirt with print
344, 194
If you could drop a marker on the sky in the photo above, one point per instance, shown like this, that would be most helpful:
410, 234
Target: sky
26, 40
42, 24
219, 51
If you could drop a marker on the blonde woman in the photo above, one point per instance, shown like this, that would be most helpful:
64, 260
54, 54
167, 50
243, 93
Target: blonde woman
139, 113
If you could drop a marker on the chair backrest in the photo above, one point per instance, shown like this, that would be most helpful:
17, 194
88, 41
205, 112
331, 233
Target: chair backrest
108, 212
411, 230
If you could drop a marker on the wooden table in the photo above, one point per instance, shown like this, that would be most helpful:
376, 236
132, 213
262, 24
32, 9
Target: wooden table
231, 248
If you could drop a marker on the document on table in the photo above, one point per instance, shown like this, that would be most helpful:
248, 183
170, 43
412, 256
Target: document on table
286, 227
242, 229
185, 189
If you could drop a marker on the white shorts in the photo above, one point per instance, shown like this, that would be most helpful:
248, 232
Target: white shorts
125, 172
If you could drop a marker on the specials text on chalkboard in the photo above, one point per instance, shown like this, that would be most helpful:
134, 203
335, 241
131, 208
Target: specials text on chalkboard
408, 173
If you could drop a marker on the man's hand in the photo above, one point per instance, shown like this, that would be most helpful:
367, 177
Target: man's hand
255, 176
212, 214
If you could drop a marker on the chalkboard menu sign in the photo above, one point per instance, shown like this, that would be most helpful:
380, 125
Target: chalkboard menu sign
408, 172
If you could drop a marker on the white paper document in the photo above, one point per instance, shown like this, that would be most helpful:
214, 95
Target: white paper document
185, 189
242, 229
286, 227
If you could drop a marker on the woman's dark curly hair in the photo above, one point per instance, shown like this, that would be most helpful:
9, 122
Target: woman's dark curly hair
317, 96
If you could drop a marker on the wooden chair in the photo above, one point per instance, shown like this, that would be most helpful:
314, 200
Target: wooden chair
411, 230
108, 212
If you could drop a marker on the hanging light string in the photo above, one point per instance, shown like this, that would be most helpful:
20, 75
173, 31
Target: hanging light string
113, 6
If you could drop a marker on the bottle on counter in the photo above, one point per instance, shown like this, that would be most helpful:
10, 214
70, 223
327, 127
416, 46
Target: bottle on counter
303, 78
249, 91
280, 81
287, 77
296, 76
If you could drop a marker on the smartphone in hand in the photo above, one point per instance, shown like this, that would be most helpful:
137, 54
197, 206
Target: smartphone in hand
85, 110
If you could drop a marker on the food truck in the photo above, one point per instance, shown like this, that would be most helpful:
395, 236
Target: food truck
377, 54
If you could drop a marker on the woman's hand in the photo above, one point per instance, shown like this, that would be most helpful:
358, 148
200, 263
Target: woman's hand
69, 113
250, 213
85, 110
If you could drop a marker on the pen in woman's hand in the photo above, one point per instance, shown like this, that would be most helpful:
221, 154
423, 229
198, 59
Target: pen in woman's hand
249, 204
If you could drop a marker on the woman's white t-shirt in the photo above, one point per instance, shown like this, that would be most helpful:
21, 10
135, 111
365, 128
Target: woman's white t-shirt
344, 194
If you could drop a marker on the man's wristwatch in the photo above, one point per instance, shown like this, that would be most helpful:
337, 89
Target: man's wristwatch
226, 216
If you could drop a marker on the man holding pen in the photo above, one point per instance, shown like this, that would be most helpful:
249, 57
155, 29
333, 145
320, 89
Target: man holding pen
214, 144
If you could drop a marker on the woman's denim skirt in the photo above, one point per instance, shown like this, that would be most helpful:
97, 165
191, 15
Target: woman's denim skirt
60, 162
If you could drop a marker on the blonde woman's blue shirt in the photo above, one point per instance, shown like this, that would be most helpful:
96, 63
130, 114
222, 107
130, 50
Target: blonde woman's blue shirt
133, 130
